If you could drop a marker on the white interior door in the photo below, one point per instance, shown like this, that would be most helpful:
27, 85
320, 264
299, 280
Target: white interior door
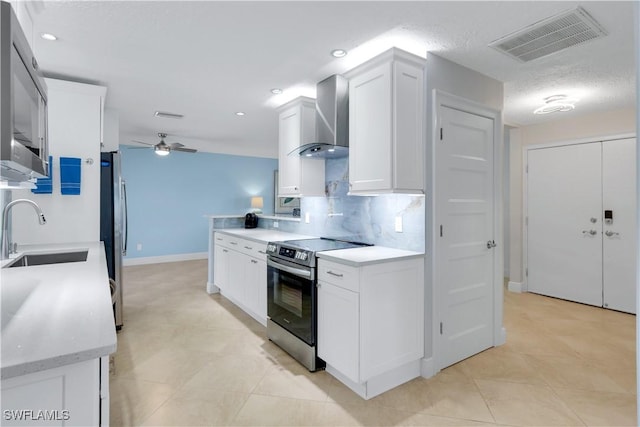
465, 214
564, 250
619, 234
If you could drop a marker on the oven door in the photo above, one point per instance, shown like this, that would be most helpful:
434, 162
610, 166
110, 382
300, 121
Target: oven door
291, 298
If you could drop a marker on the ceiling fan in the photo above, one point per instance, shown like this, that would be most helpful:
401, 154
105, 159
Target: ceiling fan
163, 149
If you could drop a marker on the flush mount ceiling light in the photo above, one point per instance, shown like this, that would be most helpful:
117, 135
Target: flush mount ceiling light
338, 53
276, 91
556, 103
166, 115
239, 113
49, 37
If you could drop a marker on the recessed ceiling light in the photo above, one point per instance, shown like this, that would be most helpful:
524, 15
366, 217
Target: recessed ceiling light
166, 115
49, 37
276, 91
239, 113
338, 53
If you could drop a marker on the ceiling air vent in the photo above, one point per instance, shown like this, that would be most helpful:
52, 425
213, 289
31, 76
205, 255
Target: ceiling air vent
550, 35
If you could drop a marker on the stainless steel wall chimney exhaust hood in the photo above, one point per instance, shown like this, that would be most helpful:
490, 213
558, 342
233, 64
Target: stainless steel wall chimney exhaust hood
332, 120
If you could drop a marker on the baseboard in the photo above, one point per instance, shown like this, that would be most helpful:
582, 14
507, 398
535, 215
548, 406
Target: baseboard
502, 337
212, 289
427, 370
517, 287
164, 258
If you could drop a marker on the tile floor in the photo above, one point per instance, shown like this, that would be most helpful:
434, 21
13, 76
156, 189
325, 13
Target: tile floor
188, 358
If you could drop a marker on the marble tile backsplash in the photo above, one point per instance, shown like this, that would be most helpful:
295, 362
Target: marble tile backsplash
369, 219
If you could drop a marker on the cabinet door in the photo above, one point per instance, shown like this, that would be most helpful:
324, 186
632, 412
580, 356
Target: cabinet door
289, 139
70, 394
370, 139
256, 292
221, 267
338, 329
236, 286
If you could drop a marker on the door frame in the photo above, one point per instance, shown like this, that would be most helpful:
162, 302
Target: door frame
443, 99
525, 191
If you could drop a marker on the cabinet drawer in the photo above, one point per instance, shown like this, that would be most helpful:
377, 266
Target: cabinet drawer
227, 241
340, 275
253, 249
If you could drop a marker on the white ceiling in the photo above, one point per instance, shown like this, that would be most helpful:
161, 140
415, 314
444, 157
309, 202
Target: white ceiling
209, 59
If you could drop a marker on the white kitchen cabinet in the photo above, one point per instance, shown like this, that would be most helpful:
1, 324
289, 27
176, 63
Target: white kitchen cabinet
298, 176
371, 323
386, 120
71, 395
240, 271
339, 328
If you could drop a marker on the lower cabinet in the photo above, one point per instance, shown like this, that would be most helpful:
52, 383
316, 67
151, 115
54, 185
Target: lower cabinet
371, 323
240, 271
70, 395
339, 328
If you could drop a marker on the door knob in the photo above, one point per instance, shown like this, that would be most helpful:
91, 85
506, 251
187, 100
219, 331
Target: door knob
594, 220
591, 232
610, 233
491, 244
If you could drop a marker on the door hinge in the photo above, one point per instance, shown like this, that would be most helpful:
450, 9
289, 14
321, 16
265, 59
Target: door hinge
441, 230
526, 272
440, 328
440, 134
526, 169
526, 220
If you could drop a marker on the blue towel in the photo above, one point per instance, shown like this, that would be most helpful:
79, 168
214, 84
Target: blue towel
70, 173
45, 185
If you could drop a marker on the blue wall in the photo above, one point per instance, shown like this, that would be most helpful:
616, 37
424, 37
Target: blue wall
169, 196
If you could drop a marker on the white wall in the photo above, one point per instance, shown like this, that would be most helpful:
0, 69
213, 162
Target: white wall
74, 131
591, 126
449, 77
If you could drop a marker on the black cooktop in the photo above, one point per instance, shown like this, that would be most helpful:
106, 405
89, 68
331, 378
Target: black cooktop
322, 244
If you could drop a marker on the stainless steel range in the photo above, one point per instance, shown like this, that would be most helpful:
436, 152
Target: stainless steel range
292, 295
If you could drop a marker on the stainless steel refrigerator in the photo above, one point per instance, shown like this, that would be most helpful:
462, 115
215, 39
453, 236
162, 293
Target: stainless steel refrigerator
113, 224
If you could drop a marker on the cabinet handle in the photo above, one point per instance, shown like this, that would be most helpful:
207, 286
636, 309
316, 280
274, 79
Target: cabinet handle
233, 243
224, 250
262, 252
253, 261
248, 247
335, 274
218, 238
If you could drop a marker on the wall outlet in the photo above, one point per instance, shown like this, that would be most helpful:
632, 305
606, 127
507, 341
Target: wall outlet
398, 224
307, 218
139, 247
276, 224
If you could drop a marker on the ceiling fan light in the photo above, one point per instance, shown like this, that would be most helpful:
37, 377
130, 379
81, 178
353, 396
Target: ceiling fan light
161, 151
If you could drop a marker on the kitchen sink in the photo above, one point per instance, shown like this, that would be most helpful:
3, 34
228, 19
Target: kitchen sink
28, 260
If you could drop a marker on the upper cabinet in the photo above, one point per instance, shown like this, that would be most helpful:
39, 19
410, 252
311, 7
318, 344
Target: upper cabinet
386, 124
298, 176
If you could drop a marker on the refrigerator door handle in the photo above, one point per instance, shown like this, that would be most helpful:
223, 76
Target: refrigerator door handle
125, 236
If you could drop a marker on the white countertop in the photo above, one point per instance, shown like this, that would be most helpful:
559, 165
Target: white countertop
368, 255
57, 314
262, 234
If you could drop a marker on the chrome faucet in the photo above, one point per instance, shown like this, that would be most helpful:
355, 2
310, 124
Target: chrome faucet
6, 244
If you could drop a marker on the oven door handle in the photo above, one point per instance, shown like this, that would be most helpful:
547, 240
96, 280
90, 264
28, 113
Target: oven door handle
295, 271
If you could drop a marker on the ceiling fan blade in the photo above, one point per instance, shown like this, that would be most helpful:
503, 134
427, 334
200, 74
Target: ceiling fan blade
175, 145
140, 142
186, 150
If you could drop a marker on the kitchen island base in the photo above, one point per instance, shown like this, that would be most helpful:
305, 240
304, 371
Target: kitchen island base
380, 383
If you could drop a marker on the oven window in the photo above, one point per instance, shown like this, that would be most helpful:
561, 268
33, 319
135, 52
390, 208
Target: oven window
288, 297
